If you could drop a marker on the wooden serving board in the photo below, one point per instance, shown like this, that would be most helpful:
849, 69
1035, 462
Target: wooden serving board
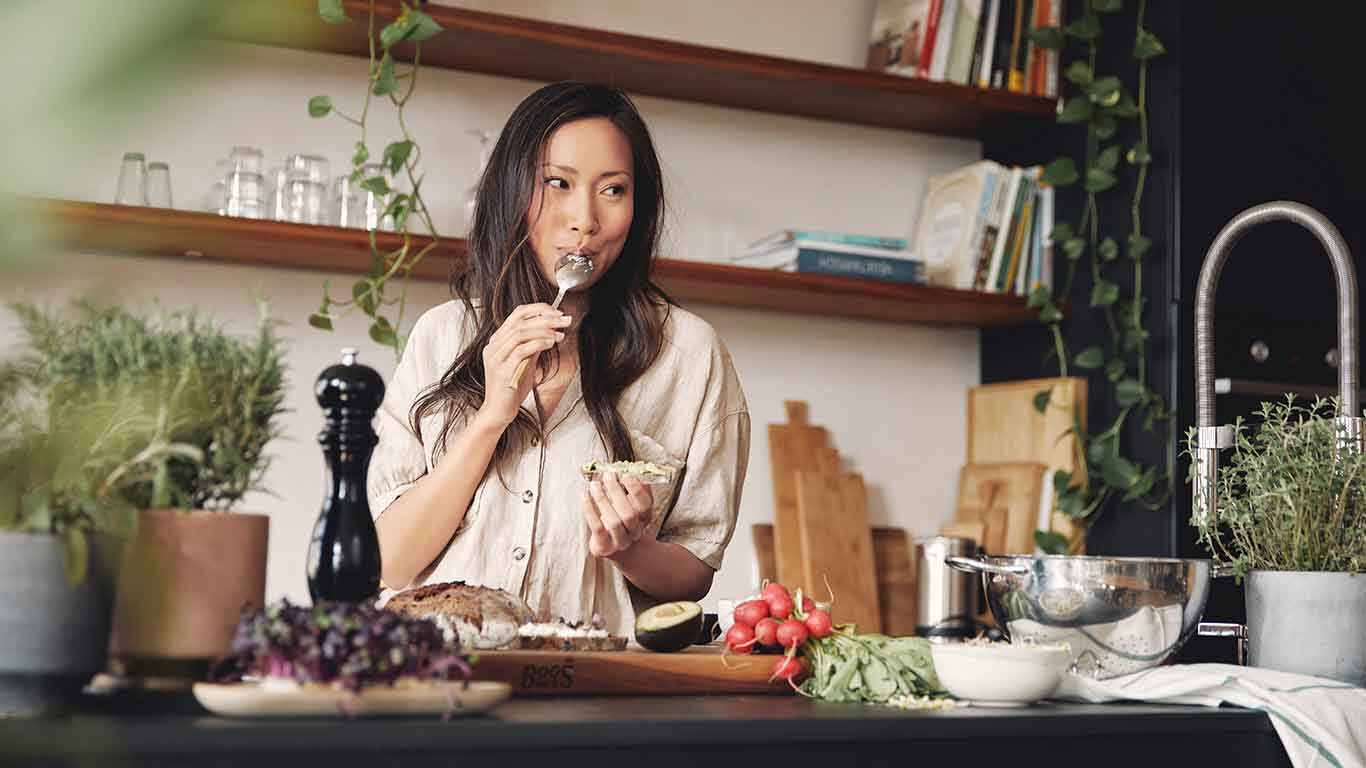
832, 512
794, 446
699, 669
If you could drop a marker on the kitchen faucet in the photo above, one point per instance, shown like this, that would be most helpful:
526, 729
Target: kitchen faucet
1210, 439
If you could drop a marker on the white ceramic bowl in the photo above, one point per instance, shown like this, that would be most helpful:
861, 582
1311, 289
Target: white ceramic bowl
1000, 675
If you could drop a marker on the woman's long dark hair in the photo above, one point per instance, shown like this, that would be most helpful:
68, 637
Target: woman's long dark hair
622, 333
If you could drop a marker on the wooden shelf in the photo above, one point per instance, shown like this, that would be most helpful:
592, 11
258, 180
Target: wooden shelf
208, 237
509, 46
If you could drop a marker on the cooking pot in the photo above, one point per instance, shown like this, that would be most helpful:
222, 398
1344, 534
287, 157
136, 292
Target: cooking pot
1117, 615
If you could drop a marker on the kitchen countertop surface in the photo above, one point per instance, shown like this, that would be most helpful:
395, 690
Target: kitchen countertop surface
650, 732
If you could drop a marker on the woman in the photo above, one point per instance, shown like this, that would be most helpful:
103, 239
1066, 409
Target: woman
476, 477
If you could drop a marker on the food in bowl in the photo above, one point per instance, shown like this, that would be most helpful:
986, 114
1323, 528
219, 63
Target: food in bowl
1000, 674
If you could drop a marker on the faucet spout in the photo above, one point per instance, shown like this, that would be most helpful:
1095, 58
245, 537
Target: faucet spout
1210, 438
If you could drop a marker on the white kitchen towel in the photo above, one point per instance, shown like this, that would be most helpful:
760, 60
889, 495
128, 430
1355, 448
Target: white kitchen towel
1321, 722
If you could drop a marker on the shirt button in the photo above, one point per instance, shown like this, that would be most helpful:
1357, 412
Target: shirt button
518, 553
527, 496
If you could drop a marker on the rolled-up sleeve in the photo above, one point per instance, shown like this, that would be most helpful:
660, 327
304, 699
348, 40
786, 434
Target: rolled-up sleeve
703, 519
399, 460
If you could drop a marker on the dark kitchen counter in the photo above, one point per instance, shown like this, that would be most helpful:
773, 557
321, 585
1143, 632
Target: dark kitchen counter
653, 732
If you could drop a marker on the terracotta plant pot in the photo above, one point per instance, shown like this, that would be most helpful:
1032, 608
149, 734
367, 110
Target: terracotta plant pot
185, 579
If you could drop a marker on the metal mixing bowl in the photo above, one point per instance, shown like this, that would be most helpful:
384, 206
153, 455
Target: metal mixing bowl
1117, 614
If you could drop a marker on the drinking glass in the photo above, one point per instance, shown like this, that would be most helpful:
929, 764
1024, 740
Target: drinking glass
217, 193
159, 185
275, 194
347, 208
132, 189
305, 202
249, 159
243, 194
308, 168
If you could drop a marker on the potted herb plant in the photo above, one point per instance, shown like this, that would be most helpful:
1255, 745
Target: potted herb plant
213, 401
1292, 522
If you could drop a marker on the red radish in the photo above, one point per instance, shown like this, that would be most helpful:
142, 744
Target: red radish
818, 623
766, 632
779, 606
774, 588
751, 612
792, 633
786, 668
807, 605
740, 638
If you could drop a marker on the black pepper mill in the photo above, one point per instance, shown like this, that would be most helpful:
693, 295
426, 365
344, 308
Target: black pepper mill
343, 555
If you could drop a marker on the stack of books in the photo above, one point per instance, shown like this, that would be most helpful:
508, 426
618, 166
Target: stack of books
986, 227
984, 43
834, 253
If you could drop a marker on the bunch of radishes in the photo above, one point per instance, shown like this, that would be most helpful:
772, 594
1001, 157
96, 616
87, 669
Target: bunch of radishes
776, 621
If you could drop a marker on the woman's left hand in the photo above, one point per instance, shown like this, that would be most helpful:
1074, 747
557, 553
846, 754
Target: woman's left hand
617, 510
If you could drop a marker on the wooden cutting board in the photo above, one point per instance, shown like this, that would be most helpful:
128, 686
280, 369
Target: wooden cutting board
895, 581
1016, 486
793, 446
695, 670
832, 515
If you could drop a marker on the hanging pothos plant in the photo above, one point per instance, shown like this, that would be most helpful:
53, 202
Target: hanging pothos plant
399, 160
1112, 166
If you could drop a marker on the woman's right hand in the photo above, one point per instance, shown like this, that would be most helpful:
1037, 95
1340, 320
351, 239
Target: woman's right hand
527, 332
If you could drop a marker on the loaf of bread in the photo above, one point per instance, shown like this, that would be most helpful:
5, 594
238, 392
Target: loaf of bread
484, 618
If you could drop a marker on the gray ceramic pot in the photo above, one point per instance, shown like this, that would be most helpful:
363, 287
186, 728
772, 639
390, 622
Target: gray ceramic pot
1309, 623
53, 637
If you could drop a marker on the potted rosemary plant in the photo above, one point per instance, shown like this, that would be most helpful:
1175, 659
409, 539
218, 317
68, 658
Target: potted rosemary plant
1292, 522
207, 404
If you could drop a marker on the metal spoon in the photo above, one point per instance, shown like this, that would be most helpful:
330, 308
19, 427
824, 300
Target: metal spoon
572, 270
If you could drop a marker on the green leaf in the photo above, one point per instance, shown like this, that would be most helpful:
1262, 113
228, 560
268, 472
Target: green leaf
1144, 484
1106, 6
332, 11
1099, 180
1100, 450
1062, 231
1114, 370
1073, 248
1138, 245
1086, 28
1050, 314
362, 155
1104, 293
1080, 73
75, 554
1047, 37
1104, 91
319, 106
1090, 358
1119, 473
1126, 107
1041, 399
1134, 338
424, 27
320, 321
385, 83
399, 208
1051, 543
1108, 249
1072, 503
1129, 392
355, 176
1138, 154
1039, 298
396, 154
1109, 158
1077, 109
36, 511
1062, 172
396, 30
375, 184
1105, 125
383, 333
364, 294
1061, 481
1147, 46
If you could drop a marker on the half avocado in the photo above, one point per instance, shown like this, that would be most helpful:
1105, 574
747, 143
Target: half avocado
669, 627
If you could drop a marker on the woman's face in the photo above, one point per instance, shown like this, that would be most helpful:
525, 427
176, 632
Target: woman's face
584, 197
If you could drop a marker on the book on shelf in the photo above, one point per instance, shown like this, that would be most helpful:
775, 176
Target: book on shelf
943, 39
850, 261
900, 30
982, 46
952, 222
786, 237
965, 36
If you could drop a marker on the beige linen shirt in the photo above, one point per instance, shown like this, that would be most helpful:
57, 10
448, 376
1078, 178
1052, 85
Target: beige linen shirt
529, 538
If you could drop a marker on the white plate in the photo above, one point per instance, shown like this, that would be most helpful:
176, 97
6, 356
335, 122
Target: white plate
285, 699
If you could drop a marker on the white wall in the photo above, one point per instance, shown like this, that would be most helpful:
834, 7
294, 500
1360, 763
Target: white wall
892, 396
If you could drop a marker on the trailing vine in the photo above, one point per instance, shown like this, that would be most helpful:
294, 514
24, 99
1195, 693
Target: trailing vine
1100, 103
386, 79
